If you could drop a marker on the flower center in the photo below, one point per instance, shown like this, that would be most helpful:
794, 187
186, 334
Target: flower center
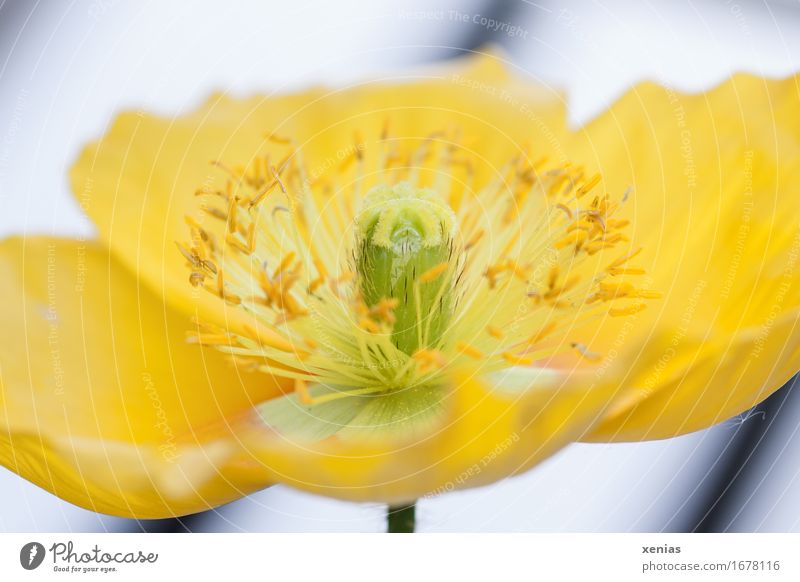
405, 262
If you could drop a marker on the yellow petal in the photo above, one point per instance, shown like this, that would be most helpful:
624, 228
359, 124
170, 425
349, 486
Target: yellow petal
714, 206
682, 390
102, 400
105, 405
138, 182
491, 428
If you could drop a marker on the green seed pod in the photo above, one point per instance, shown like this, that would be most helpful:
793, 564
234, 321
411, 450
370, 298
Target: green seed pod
405, 252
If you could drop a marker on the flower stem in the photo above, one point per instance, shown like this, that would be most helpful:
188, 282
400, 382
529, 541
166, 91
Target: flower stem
401, 518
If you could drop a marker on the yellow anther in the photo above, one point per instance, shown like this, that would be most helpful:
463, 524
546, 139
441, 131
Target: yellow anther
233, 207
347, 160
515, 360
385, 129
284, 263
625, 258
369, 325
320, 266
315, 284
625, 271
469, 350
628, 310
210, 266
301, 389
580, 225
495, 332
384, 309
596, 218
584, 351
552, 277
251, 238
474, 239
548, 328
428, 359
519, 271
575, 238
613, 290
492, 271
262, 193
212, 339
276, 174
275, 138
267, 337
234, 241
565, 209
595, 180
196, 278
221, 284
358, 143
433, 273
215, 212
557, 290
595, 247
345, 277
614, 238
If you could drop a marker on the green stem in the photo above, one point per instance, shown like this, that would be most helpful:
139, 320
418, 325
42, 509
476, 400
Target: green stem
401, 519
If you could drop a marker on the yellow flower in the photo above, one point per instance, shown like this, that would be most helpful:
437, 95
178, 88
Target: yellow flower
400, 289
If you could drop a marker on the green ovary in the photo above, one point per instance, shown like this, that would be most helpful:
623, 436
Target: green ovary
405, 233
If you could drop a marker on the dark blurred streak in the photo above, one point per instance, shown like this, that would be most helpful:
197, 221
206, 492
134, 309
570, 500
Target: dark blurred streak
735, 476
11, 11
185, 524
12, 14
479, 36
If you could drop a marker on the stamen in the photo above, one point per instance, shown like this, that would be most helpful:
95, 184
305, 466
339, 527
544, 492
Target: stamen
469, 350
515, 360
629, 310
432, 274
514, 264
301, 389
495, 332
586, 353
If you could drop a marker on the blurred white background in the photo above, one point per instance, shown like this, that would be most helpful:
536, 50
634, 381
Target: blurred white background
66, 68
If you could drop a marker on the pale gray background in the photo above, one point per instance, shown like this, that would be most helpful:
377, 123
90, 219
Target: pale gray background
67, 67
